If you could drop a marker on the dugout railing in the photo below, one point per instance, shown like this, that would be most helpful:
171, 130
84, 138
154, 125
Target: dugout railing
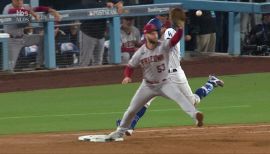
85, 14
161, 7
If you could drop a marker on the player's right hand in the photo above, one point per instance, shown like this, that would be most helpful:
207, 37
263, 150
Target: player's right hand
126, 80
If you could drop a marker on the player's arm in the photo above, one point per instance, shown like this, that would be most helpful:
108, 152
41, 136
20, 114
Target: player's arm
171, 42
46, 9
116, 3
133, 63
176, 37
35, 15
31, 12
127, 74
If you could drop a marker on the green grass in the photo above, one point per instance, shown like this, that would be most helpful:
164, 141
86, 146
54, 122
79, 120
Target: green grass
244, 99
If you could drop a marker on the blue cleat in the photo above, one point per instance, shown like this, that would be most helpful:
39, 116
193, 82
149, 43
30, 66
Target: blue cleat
215, 81
118, 122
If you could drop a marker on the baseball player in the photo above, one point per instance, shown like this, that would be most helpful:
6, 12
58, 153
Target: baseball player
130, 38
18, 39
153, 57
178, 77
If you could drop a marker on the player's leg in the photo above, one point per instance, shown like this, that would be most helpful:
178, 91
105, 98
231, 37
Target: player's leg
141, 97
170, 90
137, 117
87, 45
140, 114
14, 46
212, 43
98, 52
202, 41
180, 79
209, 86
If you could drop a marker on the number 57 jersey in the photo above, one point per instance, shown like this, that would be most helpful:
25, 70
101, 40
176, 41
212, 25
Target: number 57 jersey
153, 62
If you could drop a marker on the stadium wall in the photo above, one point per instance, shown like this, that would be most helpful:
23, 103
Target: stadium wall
113, 74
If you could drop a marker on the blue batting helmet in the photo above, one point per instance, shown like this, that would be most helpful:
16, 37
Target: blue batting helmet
157, 23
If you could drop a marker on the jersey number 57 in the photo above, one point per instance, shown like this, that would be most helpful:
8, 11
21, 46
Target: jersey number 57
161, 68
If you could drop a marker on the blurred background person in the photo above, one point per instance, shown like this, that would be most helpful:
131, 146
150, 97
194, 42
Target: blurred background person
93, 33
67, 45
258, 40
260, 34
130, 38
191, 32
248, 20
205, 27
18, 37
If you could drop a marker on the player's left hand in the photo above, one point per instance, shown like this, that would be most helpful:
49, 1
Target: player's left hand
118, 5
110, 5
126, 80
57, 17
178, 17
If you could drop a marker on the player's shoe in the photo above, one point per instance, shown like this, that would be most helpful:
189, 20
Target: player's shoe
116, 135
128, 132
215, 81
199, 119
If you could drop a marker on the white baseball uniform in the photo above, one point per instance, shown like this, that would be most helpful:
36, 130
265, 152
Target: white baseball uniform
156, 82
176, 73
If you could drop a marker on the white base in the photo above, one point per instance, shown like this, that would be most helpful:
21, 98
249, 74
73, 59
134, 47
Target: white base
97, 138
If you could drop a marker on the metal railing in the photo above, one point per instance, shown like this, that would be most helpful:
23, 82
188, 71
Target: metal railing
87, 14
161, 7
